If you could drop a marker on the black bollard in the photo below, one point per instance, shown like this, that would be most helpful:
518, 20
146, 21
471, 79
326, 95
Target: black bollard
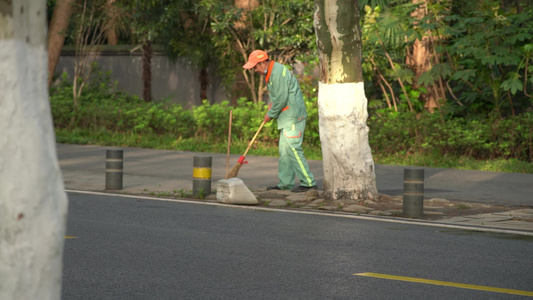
113, 169
413, 193
201, 176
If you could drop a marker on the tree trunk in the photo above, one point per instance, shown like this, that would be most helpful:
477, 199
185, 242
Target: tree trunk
112, 37
33, 203
111, 31
253, 82
204, 81
247, 4
342, 104
147, 71
56, 35
421, 59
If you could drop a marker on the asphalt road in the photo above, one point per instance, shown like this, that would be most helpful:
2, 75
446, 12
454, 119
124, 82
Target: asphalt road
134, 248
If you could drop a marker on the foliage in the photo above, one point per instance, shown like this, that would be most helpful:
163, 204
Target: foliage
90, 25
482, 58
386, 37
108, 116
480, 61
283, 28
191, 34
393, 133
490, 53
103, 106
148, 22
481, 51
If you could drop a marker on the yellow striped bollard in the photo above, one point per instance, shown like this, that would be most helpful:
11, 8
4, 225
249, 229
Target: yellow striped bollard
201, 176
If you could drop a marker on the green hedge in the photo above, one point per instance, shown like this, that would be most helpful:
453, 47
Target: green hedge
391, 133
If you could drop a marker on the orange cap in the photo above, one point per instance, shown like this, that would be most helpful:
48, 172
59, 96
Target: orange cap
255, 57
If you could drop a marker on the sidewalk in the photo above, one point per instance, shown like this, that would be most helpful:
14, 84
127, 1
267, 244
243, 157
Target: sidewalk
164, 172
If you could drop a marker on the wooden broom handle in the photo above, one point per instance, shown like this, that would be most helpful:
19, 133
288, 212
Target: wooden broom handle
253, 139
229, 142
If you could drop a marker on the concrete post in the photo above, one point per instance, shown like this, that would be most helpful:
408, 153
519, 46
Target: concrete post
113, 169
413, 192
201, 176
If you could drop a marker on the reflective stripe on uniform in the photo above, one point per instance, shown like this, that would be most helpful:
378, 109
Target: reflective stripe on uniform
307, 178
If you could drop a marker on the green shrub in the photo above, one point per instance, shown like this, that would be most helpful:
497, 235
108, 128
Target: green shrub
107, 116
393, 133
102, 106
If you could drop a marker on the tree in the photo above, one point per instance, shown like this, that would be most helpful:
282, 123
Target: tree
420, 56
191, 37
149, 23
426, 36
91, 27
33, 203
114, 16
384, 47
56, 35
283, 28
342, 104
489, 51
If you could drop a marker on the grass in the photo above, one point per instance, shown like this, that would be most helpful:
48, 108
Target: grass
181, 193
453, 162
463, 206
259, 148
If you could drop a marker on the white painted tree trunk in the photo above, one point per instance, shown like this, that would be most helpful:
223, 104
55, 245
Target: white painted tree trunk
33, 203
347, 157
348, 165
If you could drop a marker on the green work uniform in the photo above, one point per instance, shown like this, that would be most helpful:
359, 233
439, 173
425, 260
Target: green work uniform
288, 108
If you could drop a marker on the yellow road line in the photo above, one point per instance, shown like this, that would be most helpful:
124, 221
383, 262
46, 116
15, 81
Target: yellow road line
446, 283
70, 237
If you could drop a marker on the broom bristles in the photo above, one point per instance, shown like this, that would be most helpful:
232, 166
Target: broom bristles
234, 172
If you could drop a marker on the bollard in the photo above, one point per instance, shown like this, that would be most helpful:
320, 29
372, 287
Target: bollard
201, 176
413, 193
113, 169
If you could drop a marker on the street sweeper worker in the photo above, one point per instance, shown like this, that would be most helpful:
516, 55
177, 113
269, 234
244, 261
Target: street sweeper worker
287, 106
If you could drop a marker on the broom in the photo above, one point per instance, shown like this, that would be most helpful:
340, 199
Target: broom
229, 142
235, 170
